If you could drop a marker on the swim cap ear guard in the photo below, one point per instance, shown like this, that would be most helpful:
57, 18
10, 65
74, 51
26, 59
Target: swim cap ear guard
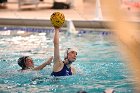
21, 61
68, 50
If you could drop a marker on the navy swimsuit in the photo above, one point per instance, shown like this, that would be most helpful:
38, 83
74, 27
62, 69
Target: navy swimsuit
64, 72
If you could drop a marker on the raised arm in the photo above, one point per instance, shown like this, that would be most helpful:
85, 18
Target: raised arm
44, 64
57, 60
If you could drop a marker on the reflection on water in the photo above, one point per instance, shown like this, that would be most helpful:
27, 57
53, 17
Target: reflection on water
99, 64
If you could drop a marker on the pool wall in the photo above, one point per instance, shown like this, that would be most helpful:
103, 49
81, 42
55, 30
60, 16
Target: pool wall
47, 23
99, 24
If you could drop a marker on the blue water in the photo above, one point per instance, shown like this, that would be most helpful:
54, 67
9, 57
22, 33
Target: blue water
99, 63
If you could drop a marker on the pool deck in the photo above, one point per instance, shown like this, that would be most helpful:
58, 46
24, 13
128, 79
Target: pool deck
81, 12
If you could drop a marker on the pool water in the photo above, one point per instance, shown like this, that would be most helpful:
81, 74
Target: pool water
99, 64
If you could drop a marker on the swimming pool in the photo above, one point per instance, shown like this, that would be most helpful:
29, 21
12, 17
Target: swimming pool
99, 64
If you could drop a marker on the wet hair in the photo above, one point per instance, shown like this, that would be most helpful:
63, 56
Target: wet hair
21, 62
81, 91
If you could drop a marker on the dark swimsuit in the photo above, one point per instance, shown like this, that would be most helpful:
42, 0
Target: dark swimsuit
64, 72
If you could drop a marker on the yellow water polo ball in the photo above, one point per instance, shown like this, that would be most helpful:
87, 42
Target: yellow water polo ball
57, 19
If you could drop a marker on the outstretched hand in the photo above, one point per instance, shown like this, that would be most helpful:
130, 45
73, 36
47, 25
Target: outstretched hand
55, 27
49, 60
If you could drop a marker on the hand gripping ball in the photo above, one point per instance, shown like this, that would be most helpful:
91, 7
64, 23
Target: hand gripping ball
57, 19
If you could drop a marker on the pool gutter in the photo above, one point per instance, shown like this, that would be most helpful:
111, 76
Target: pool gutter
95, 24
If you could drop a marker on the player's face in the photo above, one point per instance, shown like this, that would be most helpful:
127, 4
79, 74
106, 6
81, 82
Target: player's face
72, 56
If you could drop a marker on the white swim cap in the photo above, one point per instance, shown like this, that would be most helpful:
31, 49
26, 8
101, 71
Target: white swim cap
68, 50
109, 91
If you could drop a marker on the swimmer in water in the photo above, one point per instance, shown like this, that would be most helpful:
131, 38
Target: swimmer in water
63, 68
26, 63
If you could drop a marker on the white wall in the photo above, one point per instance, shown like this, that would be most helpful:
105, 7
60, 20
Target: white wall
17, 0
12, 0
